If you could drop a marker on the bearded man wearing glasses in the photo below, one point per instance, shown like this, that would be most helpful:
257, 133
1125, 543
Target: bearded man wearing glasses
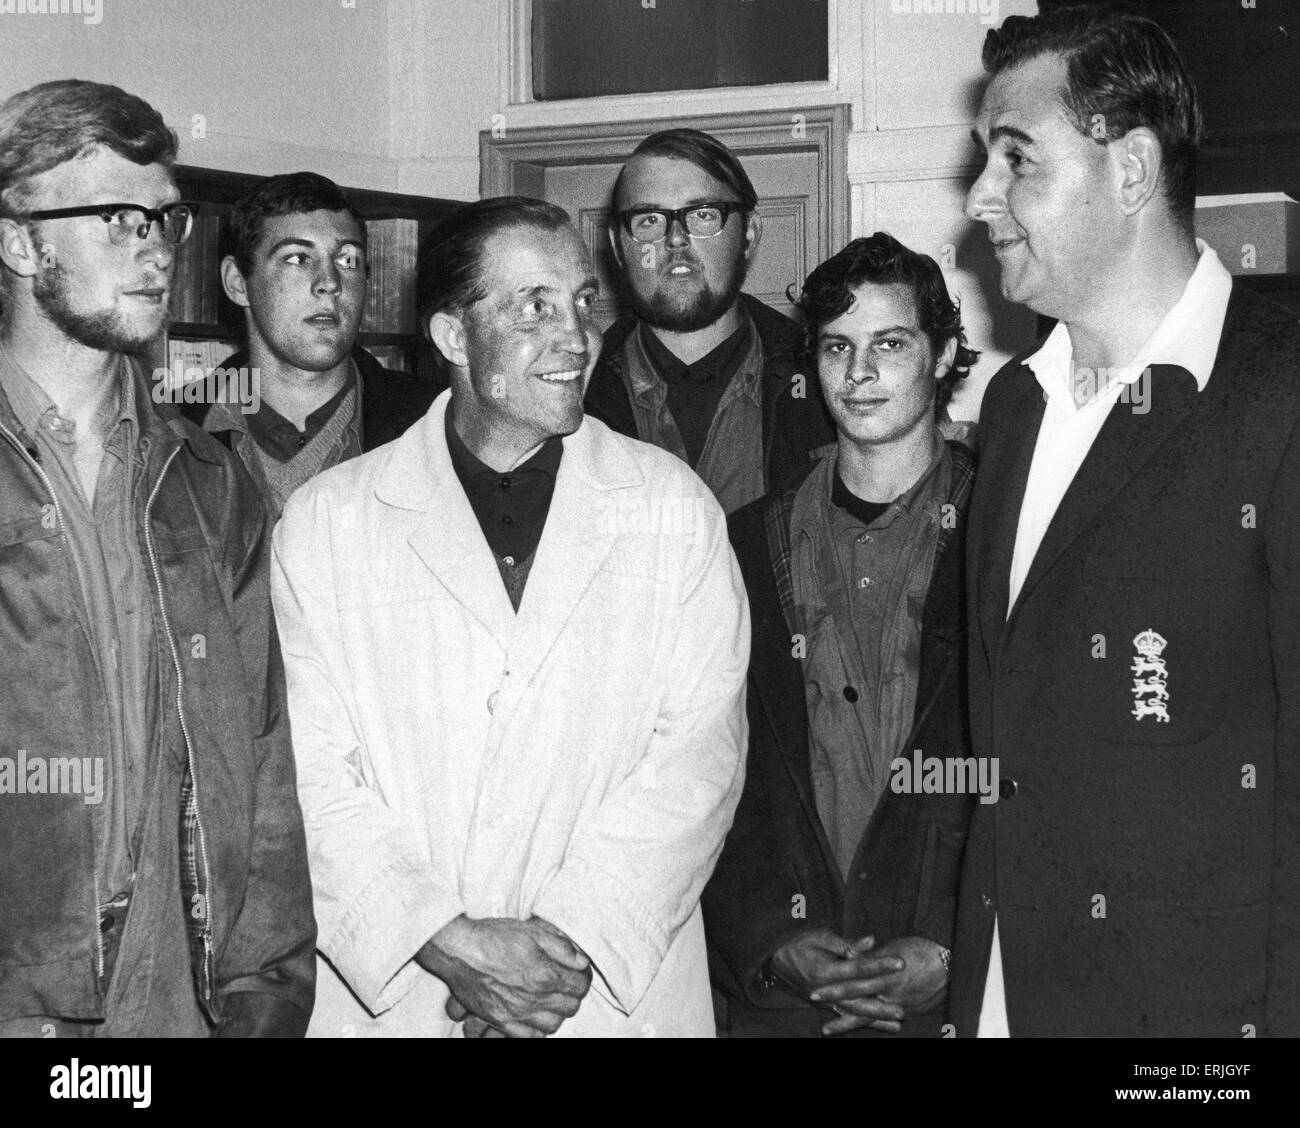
699, 368
154, 876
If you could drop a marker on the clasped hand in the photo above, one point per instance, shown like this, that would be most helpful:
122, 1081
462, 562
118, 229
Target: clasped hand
508, 978
867, 986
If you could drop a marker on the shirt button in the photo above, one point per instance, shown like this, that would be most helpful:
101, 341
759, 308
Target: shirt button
850, 694
864, 582
492, 700
1007, 788
302, 440
505, 483
507, 520
864, 538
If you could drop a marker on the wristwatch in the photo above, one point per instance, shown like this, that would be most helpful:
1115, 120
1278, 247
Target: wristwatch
946, 956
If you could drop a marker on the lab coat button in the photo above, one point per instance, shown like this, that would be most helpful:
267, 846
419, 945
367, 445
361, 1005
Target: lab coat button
492, 700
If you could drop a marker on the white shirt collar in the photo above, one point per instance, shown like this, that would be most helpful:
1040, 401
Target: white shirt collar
1187, 336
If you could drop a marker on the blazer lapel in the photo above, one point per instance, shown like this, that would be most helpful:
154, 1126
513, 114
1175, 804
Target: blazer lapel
1004, 462
1128, 440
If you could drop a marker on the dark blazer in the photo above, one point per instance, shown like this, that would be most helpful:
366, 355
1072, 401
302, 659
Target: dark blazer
907, 865
793, 426
390, 401
1145, 875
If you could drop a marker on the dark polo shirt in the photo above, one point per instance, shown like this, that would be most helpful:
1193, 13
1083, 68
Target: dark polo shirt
510, 506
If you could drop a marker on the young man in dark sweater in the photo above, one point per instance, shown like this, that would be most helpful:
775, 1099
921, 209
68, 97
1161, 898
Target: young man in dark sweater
299, 272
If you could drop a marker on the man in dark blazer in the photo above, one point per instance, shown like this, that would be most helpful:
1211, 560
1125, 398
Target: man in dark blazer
699, 368
831, 909
1134, 553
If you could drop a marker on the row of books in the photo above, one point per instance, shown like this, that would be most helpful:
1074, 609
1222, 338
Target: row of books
390, 289
196, 277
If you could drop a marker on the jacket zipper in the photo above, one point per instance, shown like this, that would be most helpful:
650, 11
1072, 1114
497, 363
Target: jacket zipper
58, 516
185, 729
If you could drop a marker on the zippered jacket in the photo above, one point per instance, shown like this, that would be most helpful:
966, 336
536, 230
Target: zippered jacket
221, 706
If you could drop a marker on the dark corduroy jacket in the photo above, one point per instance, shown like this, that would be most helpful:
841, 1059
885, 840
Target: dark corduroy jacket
794, 426
905, 873
1145, 874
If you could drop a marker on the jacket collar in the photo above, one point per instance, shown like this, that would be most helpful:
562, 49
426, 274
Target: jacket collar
1123, 449
1187, 336
579, 534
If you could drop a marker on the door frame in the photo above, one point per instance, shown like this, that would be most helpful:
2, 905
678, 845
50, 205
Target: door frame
516, 162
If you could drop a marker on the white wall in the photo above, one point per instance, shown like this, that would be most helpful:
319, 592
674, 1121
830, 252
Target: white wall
911, 79
279, 85
392, 94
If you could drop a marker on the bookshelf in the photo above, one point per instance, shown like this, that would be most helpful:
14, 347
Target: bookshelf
206, 326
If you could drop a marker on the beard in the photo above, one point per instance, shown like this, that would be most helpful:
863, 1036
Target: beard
105, 330
697, 311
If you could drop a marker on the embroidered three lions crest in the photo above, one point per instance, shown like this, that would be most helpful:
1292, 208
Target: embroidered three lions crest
1150, 678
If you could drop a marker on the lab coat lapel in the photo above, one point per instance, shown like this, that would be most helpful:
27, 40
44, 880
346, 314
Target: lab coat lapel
448, 539
579, 534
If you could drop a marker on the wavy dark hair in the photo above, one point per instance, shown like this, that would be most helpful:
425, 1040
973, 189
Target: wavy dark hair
290, 193
1123, 70
882, 260
449, 274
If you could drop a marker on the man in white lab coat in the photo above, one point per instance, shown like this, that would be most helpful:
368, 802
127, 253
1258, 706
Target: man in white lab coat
516, 646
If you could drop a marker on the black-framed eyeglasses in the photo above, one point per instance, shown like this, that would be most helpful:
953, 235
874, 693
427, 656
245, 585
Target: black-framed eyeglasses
701, 221
131, 222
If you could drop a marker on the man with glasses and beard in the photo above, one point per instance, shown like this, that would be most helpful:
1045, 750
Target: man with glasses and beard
701, 369
154, 878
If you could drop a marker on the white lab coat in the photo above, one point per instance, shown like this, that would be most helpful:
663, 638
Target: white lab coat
580, 761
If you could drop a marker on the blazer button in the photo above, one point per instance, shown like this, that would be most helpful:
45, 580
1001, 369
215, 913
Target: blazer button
1007, 788
492, 700
850, 694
